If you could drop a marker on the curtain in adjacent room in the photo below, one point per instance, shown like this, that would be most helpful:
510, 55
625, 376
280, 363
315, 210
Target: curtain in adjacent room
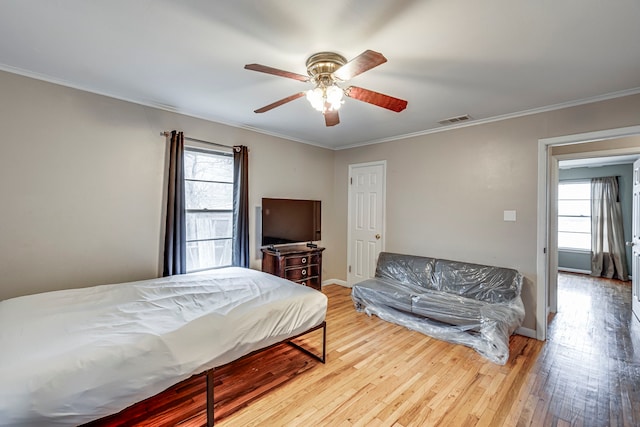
240, 257
175, 253
608, 255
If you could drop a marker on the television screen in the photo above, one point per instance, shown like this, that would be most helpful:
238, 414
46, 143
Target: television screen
287, 221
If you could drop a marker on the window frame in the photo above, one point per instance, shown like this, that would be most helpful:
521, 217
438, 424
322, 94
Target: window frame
187, 211
585, 181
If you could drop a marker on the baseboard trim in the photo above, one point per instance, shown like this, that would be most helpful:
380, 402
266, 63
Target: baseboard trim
335, 282
526, 332
574, 270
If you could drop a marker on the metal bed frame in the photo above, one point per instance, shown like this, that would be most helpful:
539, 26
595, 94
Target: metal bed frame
209, 373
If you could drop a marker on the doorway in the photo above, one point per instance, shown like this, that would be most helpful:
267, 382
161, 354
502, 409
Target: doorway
573, 222
547, 257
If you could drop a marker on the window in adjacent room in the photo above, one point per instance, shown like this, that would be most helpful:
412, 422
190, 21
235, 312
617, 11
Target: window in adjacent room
574, 215
208, 179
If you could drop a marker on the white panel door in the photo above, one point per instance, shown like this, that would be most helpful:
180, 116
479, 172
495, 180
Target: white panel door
635, 267
366, 219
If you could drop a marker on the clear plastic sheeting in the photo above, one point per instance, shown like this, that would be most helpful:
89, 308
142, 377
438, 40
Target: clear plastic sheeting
475, 305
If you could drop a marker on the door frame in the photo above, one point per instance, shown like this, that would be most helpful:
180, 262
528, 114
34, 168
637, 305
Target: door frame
382, 163
547, 253
635, 244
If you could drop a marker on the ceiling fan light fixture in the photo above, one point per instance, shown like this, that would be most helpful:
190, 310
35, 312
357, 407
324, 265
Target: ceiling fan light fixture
334, 97
323, 98
316, 98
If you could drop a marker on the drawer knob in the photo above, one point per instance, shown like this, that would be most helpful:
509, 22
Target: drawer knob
304, 260
304, 272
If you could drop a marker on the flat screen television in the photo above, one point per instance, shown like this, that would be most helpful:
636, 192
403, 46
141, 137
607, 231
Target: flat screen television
289, 221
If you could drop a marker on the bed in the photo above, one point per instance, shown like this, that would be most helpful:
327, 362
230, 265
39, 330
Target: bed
69, 357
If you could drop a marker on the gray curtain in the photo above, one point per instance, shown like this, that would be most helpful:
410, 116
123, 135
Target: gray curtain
608, 256
240, 257
175, 253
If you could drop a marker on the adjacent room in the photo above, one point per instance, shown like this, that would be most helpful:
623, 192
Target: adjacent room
405, 213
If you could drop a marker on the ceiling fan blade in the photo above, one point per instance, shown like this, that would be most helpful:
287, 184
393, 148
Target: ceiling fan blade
358, 65
280, 102
375, 98
331, 118
276, 72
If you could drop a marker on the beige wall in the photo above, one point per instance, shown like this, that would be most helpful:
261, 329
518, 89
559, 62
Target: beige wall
280, 168
446, 192
82, 185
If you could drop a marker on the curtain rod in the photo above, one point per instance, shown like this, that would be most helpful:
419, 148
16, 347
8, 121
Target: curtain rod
198, 140
588, 179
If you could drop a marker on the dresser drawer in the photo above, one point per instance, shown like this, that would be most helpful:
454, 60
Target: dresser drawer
301, 260
300, 264
314, 283
301, 273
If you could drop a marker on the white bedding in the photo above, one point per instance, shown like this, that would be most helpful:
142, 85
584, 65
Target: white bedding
69, 357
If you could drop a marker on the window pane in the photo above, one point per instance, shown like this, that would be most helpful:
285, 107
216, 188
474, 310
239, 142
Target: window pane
575, 224
209, 225
208, 254
574, 207
208, 166
208, 186
576, 190
574, 215
208, 195
574, 240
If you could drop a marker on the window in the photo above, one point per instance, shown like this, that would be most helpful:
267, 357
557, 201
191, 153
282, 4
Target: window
208, 183
574, 215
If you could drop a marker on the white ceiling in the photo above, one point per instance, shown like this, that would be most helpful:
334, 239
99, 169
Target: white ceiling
489, 59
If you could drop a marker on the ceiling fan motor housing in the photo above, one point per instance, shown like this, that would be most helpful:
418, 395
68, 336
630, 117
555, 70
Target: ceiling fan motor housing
321, 65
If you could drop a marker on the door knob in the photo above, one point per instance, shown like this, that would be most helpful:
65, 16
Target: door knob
378, 237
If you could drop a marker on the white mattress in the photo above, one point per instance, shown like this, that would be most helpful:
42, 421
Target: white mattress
69, 357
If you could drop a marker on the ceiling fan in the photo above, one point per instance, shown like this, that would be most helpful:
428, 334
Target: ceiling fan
326, 70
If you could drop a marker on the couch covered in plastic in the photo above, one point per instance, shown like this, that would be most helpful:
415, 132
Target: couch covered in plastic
475, 305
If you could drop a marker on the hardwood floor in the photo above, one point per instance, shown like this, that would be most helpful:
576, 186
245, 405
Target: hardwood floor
589, 370
381, 374
378, 373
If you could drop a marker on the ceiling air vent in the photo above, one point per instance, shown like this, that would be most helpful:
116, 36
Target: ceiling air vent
453, 120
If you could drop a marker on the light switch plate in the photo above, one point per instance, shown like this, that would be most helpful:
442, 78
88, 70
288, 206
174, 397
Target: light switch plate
509, 215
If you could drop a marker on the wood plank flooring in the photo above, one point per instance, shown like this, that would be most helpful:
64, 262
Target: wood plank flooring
381, 374
589, 370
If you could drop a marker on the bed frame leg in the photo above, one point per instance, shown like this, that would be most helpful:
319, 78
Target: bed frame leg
324, 344
209, 373
210, 398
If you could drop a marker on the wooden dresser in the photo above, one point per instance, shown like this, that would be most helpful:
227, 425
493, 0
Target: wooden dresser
299, 264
